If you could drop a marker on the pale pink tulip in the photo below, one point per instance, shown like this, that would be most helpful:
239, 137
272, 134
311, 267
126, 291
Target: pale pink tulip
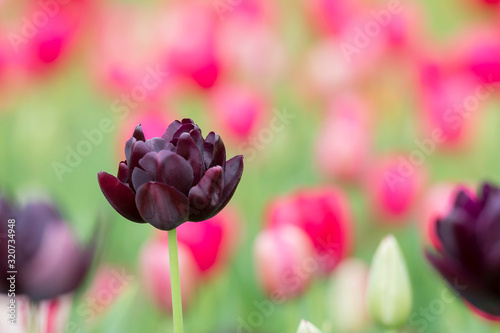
285, 261
343, 144
155, 273
239, 110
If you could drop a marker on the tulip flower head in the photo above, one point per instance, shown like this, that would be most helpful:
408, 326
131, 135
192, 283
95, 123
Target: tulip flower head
170, 180
282, 259
469, 256
49, 260
389, 289
324, 214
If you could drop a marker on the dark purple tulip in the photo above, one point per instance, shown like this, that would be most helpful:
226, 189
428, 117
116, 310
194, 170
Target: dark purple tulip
173, 179
469, 258
48, 259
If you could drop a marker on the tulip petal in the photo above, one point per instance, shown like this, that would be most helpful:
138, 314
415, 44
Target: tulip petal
487, 226
187, 148
208, 152
232, 177
204, 197
466, 285
219, 153
169, 168
159, 144
172, 128
120, 196
162, 205
197, 138
175, 171
141, 177
137, 136
457, 237
139, 149
123, 172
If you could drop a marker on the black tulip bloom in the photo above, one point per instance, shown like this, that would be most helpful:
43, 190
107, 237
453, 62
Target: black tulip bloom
173, 179
469, 258
49, 261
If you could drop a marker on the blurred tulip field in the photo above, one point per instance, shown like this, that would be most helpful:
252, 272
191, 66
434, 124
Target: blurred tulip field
356, 119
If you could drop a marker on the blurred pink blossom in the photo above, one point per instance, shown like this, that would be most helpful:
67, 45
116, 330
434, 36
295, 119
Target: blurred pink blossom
239, 110
324, 214
281, 257
155, 273
343, 145
393, 186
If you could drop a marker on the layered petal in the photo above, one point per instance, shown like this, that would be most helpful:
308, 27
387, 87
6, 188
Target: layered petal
162, 205
232, 177
120, 196
467, 285
187, 148
205, 197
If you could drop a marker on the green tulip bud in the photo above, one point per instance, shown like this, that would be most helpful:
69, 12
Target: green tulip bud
389, 289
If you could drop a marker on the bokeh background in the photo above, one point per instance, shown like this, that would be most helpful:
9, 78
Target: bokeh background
317, 94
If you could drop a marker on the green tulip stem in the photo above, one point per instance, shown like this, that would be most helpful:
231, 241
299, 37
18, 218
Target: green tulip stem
175, 281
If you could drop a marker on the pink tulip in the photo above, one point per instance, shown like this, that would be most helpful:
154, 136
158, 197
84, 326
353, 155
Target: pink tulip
143, 46
155, 274
188, 32
478, 52
47, 35
153, 123
327, 69
249, 11
450, 102
212, 242
324, 214
436, 203
108, 284
239, 110
242, 57
393, 186
332, 16
284, 261
343, 144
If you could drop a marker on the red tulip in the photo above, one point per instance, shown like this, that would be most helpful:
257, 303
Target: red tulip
284, 261
324, 214
343, 144
155, 273
210, 243
393, 187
